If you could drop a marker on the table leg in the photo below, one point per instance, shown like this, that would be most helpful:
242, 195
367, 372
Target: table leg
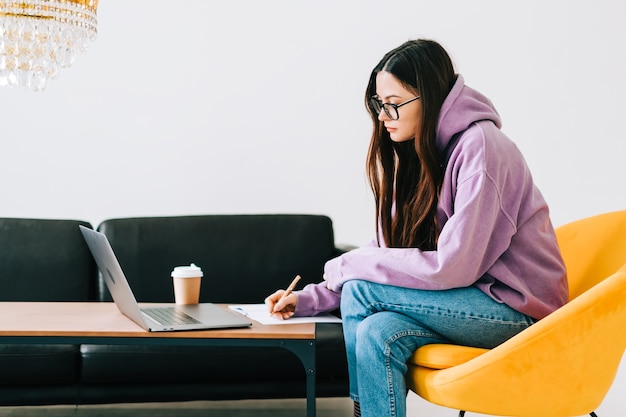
305, 351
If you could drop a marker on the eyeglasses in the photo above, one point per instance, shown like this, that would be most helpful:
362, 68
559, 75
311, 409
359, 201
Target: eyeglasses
391, 110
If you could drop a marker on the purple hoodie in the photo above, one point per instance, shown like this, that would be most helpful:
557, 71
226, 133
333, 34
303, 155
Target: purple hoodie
496, 232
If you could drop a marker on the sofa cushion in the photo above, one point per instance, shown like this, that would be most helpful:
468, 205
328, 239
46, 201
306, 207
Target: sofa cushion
244, 257
45, 260
39, 364
169, 364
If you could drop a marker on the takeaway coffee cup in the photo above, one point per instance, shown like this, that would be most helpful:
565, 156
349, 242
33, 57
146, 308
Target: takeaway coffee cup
187, 284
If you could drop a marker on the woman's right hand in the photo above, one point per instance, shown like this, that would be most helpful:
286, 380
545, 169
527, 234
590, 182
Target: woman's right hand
282, 309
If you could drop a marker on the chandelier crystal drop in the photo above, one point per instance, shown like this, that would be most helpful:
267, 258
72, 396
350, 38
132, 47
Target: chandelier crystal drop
39, 37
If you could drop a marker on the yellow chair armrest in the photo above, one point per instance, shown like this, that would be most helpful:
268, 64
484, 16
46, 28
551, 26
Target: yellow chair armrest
442, 356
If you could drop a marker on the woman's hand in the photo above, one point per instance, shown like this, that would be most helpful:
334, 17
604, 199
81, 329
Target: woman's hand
281, 308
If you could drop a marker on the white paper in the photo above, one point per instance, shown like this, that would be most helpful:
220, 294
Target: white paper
258, 312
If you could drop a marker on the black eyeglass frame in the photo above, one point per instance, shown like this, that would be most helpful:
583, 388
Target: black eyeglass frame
378, 105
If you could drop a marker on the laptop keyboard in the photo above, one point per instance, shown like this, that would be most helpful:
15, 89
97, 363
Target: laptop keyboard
168, 316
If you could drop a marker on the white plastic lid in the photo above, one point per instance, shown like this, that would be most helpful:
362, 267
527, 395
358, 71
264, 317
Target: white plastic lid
190, 271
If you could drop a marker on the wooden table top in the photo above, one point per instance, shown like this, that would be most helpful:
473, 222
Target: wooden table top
103, 319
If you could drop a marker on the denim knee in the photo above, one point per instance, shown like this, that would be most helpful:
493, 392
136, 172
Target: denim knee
372, 331
351, 295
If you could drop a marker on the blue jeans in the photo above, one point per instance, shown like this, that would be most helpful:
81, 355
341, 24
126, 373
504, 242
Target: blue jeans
383, 325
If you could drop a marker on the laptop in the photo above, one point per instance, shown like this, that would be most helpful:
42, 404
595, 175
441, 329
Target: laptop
158, 317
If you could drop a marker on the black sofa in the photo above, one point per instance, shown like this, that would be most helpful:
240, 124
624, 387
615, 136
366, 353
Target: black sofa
244, 258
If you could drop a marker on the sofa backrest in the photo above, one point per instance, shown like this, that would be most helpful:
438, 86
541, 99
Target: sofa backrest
45, 260
244, 257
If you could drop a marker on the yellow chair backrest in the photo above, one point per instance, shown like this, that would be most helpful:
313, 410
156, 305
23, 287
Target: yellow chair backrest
593, 248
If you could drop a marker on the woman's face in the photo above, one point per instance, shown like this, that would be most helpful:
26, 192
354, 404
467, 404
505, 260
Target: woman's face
409, 123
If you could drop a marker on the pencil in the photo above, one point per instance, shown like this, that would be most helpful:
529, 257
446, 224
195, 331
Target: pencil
289, 288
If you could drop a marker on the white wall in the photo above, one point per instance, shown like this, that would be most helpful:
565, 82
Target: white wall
257, 106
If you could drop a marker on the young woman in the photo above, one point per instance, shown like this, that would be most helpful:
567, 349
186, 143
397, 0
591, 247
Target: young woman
465, 251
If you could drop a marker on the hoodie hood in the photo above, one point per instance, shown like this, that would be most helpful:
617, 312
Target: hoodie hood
463, 107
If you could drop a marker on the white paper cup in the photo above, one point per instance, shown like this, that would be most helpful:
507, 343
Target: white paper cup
187, 281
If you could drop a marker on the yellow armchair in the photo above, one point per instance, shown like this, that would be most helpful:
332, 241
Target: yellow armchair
562, 366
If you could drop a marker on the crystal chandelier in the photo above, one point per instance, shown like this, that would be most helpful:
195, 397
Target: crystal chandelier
38, 37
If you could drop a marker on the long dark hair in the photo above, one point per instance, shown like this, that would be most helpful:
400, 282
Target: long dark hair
410, 173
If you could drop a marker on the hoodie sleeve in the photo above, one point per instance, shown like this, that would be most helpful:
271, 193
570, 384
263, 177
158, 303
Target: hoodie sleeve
317, 298
456, 262
476, 233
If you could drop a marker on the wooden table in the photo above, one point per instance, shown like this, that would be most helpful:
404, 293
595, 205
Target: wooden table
102, 323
